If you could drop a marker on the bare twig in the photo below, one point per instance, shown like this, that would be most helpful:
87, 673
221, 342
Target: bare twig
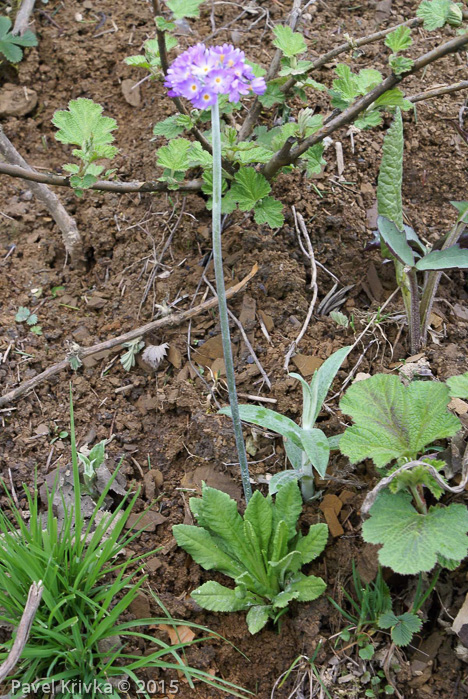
280, 159
70, 234
439, 91
22, 17
100, 186
301, 229
24, 628
168, 321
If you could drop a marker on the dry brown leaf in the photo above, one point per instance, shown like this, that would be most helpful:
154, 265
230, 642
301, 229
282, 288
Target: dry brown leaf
178, 634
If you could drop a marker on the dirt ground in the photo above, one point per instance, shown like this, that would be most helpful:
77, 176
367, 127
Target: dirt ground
164, 422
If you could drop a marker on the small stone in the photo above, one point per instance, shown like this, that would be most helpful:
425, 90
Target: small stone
96, 302
17, 101
460, 312
131, 92
140, 607
153, 564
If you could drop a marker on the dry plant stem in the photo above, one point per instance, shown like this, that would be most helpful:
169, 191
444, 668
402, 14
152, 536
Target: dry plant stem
280, 159
22, 17
24, 628
438, 91
168, 321
301, 228
254, 111
70, 234
100, 186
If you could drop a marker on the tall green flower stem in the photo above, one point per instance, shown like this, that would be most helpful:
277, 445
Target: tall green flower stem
222, 303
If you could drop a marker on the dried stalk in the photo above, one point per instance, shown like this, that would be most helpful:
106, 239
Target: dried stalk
168, 321
70, 234
23, 631
22, 17
439, 91
100, 186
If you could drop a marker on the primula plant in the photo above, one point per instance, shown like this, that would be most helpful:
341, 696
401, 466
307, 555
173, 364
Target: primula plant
307, 447
262, 551
395, 425
418, 268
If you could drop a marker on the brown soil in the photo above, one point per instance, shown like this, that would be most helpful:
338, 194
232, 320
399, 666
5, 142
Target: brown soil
168, 418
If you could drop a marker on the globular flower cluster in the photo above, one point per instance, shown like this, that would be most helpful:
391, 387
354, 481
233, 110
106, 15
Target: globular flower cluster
201, 74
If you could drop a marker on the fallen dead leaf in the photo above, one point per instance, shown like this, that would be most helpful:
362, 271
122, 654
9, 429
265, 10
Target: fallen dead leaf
307, 364
178, 634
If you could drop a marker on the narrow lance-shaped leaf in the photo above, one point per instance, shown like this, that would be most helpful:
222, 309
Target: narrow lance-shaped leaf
389, 202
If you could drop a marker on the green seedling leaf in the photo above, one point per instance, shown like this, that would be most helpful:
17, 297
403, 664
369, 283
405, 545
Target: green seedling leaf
313, 159
289, 42
389, 203
36, 329
185, 8
392, 421
367, 653
393, 98
10, 45
395, 241
32, 320
172, 127
262, 552
269, 211
450, 258
218, 598
436, 13
249, 188
369, 120
83, 125
399, 65
128, 359
411, 542
272, 96
257, 617
458, 386
399, 40
403, 627
175, 156
22, 314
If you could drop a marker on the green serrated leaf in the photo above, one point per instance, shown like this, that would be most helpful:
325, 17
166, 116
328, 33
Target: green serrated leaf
399, 40
32, 320
137, 62
434, 13
218, 598
249, 188
272, 96
257, 617
163, 25
458, 386
199, 543
403, 627
269, 210
393, 98
175, 156
185, 8
288, 507
313, 160
289, 42
10, 44
411, 541
308, 587
369, 120
389, 202
392, 421
83, 125
367, 653
399, 65
22, 314
312, 545
170, 127
260, 514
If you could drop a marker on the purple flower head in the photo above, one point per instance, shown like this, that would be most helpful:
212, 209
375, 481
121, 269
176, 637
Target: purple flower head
200, 74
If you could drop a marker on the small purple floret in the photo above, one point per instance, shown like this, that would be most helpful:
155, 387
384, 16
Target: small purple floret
200, 74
